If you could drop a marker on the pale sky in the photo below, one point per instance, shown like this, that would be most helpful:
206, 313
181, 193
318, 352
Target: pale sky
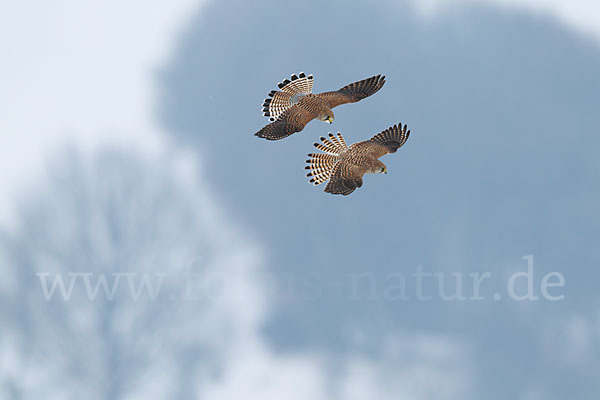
579, 15
79, 72
82, 73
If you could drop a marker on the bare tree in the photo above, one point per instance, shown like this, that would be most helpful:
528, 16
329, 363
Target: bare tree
151, 327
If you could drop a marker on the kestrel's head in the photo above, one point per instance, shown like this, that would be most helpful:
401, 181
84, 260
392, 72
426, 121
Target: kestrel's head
378, 168
327, 116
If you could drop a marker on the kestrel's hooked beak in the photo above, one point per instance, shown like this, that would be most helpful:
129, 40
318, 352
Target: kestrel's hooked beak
330, 120
385, 170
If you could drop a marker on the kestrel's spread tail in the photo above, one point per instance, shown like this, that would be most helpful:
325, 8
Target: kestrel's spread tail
344, 166
322, 164
294, 105
291, 91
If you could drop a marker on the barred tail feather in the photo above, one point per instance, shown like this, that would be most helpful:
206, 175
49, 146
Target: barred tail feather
291, 90
393, 138
297, 84
276, 104
322, 164
335, 140
341, 140
335, 146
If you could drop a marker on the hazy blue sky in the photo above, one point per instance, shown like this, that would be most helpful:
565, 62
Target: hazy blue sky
501, 163
502, 101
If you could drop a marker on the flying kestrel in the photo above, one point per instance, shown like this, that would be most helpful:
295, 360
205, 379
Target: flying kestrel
345, 166
294, 105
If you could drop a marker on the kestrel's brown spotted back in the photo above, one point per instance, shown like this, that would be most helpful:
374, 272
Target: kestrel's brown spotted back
345, 166
294, 105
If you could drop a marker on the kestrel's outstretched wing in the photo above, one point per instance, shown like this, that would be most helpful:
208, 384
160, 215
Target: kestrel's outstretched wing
344, 167
291, 121
353, 92
385, 142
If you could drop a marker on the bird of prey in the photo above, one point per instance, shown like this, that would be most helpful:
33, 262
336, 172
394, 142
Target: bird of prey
294, 105
345, 166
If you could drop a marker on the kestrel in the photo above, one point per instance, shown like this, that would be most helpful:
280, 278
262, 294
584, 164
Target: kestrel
345, 166
294, 105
